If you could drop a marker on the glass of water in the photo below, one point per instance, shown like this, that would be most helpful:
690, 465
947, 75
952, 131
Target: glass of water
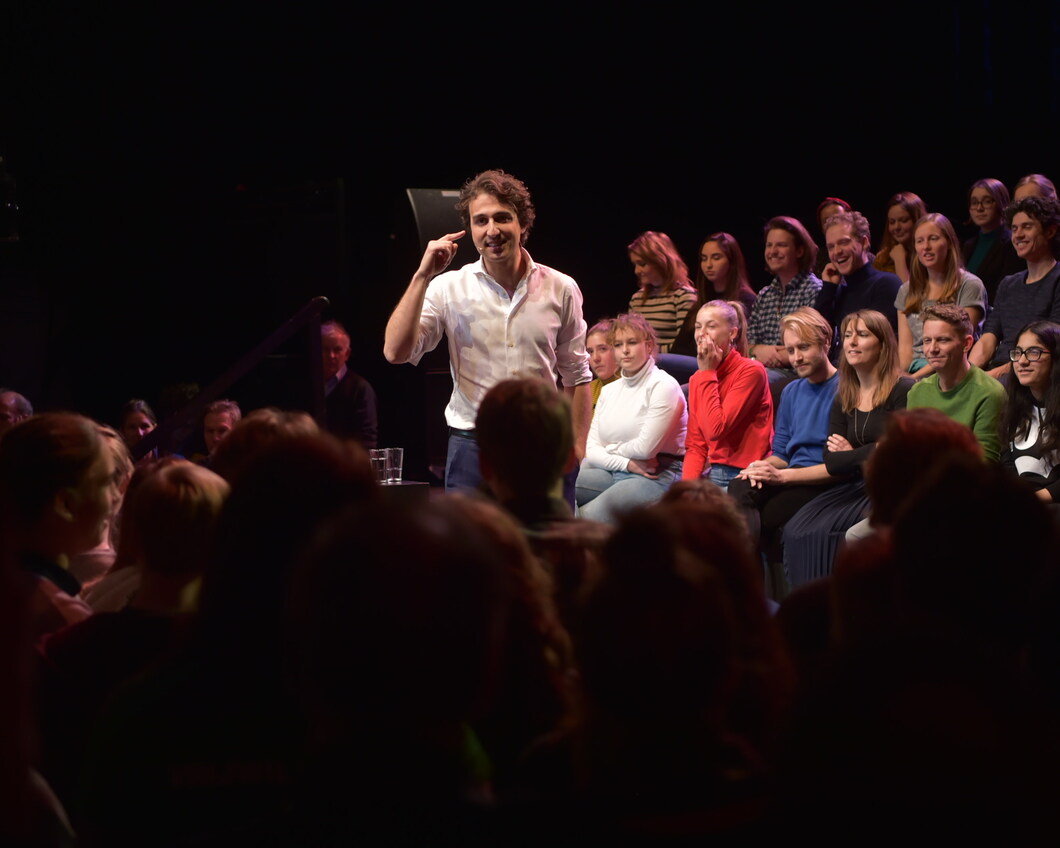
395, 458
379, 464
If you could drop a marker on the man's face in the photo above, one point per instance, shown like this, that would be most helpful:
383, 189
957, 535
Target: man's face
135, 427
495, 229
9, 415
1029, 239
336, 349
809, 359
847, 252
215, 426
945, 348
782, 255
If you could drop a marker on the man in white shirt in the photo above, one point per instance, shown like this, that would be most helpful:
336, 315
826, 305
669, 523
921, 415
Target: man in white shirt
504, 316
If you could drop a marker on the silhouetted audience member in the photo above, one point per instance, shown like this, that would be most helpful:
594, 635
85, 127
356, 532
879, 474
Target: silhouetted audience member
924, 714
168, 525
56, 495
526, 447
135, 420
685, 685
409, 632
204, 747
218, 420
256, 431
13, 408
92, 565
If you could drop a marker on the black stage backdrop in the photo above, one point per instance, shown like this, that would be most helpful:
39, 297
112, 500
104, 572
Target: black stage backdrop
186, 180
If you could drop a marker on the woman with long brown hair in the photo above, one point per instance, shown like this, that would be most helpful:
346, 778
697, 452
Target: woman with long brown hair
871, 387
665, 294
938, 276
904, 209
722, 275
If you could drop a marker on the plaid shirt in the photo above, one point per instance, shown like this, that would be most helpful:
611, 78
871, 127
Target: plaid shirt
763, 327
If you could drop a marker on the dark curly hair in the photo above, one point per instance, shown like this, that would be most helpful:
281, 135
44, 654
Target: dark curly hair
1044, 210
507, 189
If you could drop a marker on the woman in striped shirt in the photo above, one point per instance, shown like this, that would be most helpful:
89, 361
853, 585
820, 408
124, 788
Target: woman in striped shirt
666, 294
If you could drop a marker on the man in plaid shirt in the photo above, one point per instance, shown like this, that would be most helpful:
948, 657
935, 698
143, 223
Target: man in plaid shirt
790, 255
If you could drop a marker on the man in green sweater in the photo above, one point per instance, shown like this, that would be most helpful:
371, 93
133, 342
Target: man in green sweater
963, 391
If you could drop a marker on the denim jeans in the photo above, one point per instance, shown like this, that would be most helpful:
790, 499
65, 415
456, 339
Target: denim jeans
605, 495
721, 475
461, 464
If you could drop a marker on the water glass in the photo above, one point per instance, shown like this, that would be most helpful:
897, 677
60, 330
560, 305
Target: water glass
395, 458
379, 464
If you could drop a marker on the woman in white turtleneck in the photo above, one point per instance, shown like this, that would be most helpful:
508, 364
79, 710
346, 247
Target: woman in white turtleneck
637, 438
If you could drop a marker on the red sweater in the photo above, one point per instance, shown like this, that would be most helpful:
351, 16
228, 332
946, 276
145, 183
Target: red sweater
730, 416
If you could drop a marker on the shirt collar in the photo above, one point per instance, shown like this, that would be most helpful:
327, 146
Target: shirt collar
332, 382
480, 269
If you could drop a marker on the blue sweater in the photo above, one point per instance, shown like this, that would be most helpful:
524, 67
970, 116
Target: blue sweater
801, 428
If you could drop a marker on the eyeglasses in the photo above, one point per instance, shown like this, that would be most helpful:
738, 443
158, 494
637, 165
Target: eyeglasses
1033, 354
982, 202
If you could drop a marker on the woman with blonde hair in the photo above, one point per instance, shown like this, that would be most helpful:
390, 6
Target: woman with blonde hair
937, 276
904, 209
730, 407
636, 440
665, 295
871, 387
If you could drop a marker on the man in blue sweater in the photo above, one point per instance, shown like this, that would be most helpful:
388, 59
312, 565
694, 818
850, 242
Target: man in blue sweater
771, 490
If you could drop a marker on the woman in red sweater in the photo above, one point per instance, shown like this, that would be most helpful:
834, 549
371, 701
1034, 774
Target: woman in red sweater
730, 409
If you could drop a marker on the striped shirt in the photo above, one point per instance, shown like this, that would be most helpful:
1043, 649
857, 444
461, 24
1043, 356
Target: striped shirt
664, 311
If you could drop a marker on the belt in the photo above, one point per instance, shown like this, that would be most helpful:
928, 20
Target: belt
463, 434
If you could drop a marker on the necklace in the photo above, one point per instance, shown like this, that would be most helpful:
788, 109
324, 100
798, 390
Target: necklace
861, 437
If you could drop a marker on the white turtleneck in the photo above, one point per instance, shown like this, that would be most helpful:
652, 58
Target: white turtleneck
637, 417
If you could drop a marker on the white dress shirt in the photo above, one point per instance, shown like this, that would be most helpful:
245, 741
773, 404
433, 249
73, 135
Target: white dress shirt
538, 332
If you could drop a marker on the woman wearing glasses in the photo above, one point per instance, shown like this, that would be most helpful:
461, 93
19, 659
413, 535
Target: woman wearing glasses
989, 253
1030, 420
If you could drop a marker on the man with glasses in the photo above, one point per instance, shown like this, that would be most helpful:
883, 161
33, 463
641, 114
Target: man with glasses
964, 392
1030, 295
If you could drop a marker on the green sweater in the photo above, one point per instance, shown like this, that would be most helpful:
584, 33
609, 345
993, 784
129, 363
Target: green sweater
975, 401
